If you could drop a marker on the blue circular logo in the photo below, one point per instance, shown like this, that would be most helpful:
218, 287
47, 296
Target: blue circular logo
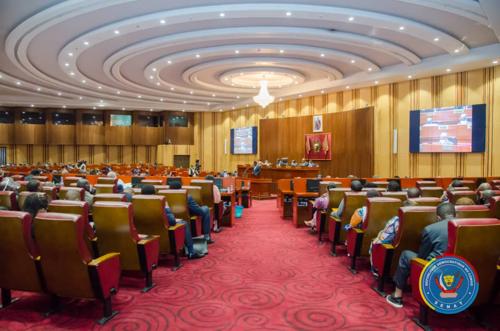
449, 284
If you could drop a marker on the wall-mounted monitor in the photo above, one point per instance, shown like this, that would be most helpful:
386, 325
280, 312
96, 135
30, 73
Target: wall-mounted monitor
120, 120
244, 140
92, 119
63, 118
459, 129
6, 116
150, 121
176, 120
28, 117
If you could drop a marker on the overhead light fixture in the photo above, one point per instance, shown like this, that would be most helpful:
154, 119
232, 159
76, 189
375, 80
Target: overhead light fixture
222, 14
456, 50
494, 61
236, 52
288, 13
117, 31
86, 43
198, 56
410, 76
163, 21
351, 19
282, 51
263, 98
322, 55
436, 39
401, 28
448, 70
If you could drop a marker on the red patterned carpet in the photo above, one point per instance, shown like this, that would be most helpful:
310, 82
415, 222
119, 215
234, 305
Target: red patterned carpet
262, 274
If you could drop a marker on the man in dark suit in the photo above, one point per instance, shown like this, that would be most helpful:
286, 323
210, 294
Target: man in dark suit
434, 243
196, 209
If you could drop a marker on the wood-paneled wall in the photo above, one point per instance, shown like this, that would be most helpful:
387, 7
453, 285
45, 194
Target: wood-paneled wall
392, 104
352, 140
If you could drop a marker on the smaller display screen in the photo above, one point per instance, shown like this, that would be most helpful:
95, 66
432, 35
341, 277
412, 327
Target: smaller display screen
93, 119
150, 121
63, 118
28, 117
121, 120
6, 117
178, 121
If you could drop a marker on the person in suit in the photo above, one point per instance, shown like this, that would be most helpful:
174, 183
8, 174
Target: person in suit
196, 209
188, 241
434, 243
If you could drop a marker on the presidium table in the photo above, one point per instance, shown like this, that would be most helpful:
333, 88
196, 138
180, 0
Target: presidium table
265, 185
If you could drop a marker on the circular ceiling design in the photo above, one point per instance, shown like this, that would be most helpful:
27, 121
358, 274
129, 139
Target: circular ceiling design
210, 55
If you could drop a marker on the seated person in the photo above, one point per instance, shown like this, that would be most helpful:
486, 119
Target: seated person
356, 186
321, 203
388, 233
33, 186
34, 204
370, 185
451, 188
89, 197
464, 201
294, 163
257, 168
217, 200
73, 195
413, 192
195, 209
34, 172
393, 186
359, 215
150, 190
113, 175
485, 196
434, 243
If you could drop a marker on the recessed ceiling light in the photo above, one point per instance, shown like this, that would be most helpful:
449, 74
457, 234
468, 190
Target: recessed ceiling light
59, 93
237, 97
237, 52
139, 96
72, 73
247, 105
118, 92
353, 61
154, 69
99, 87
101, 101
495, 62
163, 21
117, 31
83, 81
322, 92
80, 98
172, 88
226, 79
94, 108
157, 83
456, 50
208, 103
347, 87
191, 92
161, 99
220, 109
66, 64
213, 95
86, 43
184, 102
322, 55
151, 77
351, 19
123, 108
222, 14
32, 105
38, 89
401, 28
370, 69
183, 110
410, 76
1, 76
70, 54
150, 109
436, 39
288, 13
300, 95
282, 51
169, 62
18, 83
198, 56
448, 70
376, 82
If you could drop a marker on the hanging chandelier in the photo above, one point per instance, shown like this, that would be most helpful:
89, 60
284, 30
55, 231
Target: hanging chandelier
263, 98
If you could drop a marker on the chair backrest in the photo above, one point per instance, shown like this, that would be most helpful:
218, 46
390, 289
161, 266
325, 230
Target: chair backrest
107, 180
378, 189
402, 196
73, 207
105, 188
110, 197
114, 223
152, 181
64, 254
161, 187
412, 221
476, 240
64, 190
8, 200
431, 191
323, 186
195, 193
22, 185
40, 178
23, 195
470, 184
207, 191
335, 196
473, 211
18, 252
453, 196
423, 183
51, 192
381, 184
495, 206
352, 201
177, 202
150, 218
68, 180
429, 202
379, 211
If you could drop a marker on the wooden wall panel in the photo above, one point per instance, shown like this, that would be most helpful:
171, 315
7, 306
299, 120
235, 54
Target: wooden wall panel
59, 134
89, 134
179, 135
7, 134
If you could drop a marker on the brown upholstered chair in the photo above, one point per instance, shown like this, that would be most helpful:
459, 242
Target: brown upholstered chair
114, 223
161, 187
150, 218
63, 190
178, 204
396, 195
334, 197
378, 189
67, 266
323, 185
495, 207
110, 197
8, 200
23, 195
207, 191
195, 193
40, 178
51, 192
379, 211
68, 180
476, 240
107, 180
79, 208
152, 181
105, 188
473, 211
19, 255
453, 196
22, 185
381, 184
352, 201
412, 221
430, 202
431, 192
425, 183
470, 184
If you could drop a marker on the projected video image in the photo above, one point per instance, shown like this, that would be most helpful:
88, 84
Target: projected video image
243, 138
446, 130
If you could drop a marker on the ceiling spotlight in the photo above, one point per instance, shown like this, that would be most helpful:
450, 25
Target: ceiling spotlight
66, 64
94, 108
410, 76
86, 43
351, 19
72, 73
157, 83
222, 14
80, 98
288, 13
32, 105
163, 21
59, 93
139, 96
117, 31
151, 77
172, 88
226, 79
118, 92
401, 28
123, 108
208, 103
236, 52
282, 51
213, 95
322, 92
237, 97
494, 61
191, 92
353, 61
184, 102
183, 110
448, 70
161, 99
436, 39
169, 62
70, 54
347, 87
220, 109
99, 87
300, 95
83, 81
18, 83
1, 76
198, 56
322, 55
376, 82
150, 109
370, 69
456, 50
154, 69
38, 89
101, 101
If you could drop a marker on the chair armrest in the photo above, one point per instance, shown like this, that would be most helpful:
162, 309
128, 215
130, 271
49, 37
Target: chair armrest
353, 236
149, 251
417, 265
105, 274
358, 231
175, 227
382, 256
177, 234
